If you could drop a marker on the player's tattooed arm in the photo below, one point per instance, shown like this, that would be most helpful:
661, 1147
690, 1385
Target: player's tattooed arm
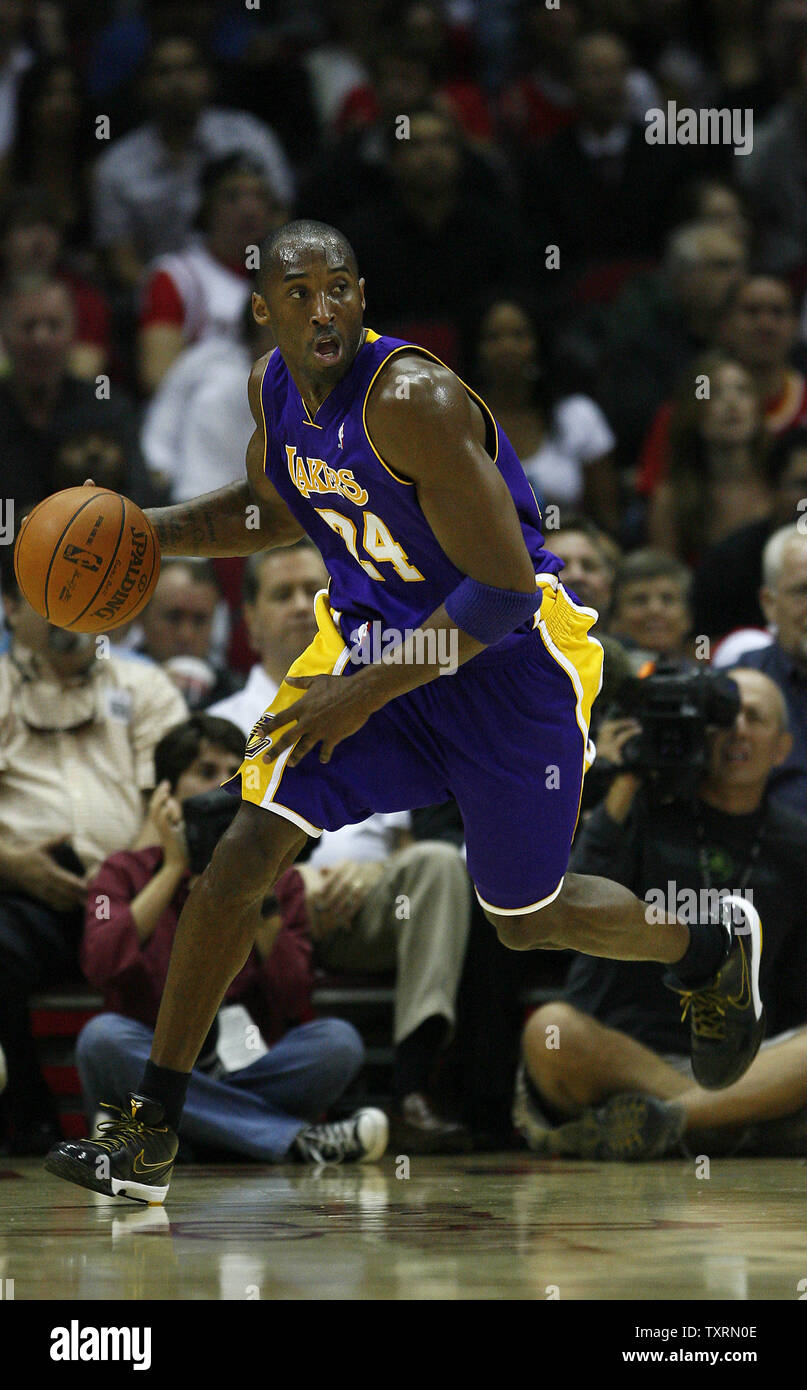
222, 523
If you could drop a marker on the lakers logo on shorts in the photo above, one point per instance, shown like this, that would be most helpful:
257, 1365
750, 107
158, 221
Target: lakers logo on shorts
259, 740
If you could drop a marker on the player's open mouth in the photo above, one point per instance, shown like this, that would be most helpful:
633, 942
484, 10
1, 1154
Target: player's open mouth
328, 349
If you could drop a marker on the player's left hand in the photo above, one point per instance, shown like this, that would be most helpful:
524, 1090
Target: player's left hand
331, 709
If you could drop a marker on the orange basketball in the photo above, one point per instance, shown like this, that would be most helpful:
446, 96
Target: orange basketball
87, 559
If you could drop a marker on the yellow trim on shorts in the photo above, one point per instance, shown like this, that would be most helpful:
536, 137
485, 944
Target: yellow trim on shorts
328, 654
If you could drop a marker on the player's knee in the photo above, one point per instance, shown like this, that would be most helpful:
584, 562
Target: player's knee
249, 858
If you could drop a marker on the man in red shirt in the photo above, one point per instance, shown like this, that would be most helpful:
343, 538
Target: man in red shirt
201, 291
264, 1075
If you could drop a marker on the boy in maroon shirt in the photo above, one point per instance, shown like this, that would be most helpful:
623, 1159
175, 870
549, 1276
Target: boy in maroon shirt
246, 1097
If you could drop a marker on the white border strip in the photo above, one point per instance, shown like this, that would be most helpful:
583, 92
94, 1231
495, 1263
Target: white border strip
519, 911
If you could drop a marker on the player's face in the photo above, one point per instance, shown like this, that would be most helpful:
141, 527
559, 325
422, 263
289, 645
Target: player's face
314, 304
756, 743
211, 766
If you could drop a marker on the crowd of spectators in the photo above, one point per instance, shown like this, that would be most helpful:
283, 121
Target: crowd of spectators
634, 311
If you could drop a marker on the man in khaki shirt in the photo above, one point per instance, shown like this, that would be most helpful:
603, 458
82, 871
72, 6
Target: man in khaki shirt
78, 727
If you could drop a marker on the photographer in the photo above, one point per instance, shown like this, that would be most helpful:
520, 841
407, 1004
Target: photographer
244, 1097
605, 1072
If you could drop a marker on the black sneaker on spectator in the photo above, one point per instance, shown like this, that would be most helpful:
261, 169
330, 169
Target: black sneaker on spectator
362, 1138
627, 1128
727, 1018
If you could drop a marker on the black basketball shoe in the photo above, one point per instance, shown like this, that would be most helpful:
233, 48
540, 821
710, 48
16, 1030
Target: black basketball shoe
727, 1019
132, 1156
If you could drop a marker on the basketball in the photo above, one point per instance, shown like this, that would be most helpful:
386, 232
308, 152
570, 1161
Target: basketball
87, 559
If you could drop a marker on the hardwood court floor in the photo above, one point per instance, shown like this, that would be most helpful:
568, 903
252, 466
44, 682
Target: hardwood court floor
476, 1227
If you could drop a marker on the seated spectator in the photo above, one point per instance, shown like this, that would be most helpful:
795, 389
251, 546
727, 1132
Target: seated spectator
43, 405
564, 443
53, 147
717, 478
31, 243
617, 1082
352, 169
783, 598
658, 323
576, 189
354, 877
773, 175
177, 631
147, 185
264, 1076
590, 561
15, 59
650, 611
341, 60
758, 328
429, 219
539, 101
757, 49
422, 31
728, 579
77, 737
715, 202
202, 290
198, 422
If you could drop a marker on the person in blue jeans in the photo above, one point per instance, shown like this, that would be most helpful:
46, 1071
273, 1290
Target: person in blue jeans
267, 1072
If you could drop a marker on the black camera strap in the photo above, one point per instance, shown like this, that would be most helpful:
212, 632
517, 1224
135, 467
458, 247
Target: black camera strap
703, 854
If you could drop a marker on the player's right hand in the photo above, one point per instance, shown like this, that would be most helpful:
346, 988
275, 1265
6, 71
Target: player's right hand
37, 874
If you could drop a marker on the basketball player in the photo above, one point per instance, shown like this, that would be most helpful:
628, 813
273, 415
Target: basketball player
429, 531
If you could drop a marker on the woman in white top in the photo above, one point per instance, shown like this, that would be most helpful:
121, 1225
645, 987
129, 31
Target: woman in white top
565, 443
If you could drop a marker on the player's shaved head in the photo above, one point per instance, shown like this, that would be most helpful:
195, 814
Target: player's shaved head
287, 250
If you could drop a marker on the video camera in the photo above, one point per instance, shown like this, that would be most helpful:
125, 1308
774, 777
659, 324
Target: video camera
676, 707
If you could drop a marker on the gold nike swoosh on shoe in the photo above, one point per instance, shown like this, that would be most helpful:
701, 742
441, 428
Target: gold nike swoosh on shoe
143, 1167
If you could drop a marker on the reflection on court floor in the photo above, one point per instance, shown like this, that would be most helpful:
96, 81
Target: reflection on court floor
454, 1229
